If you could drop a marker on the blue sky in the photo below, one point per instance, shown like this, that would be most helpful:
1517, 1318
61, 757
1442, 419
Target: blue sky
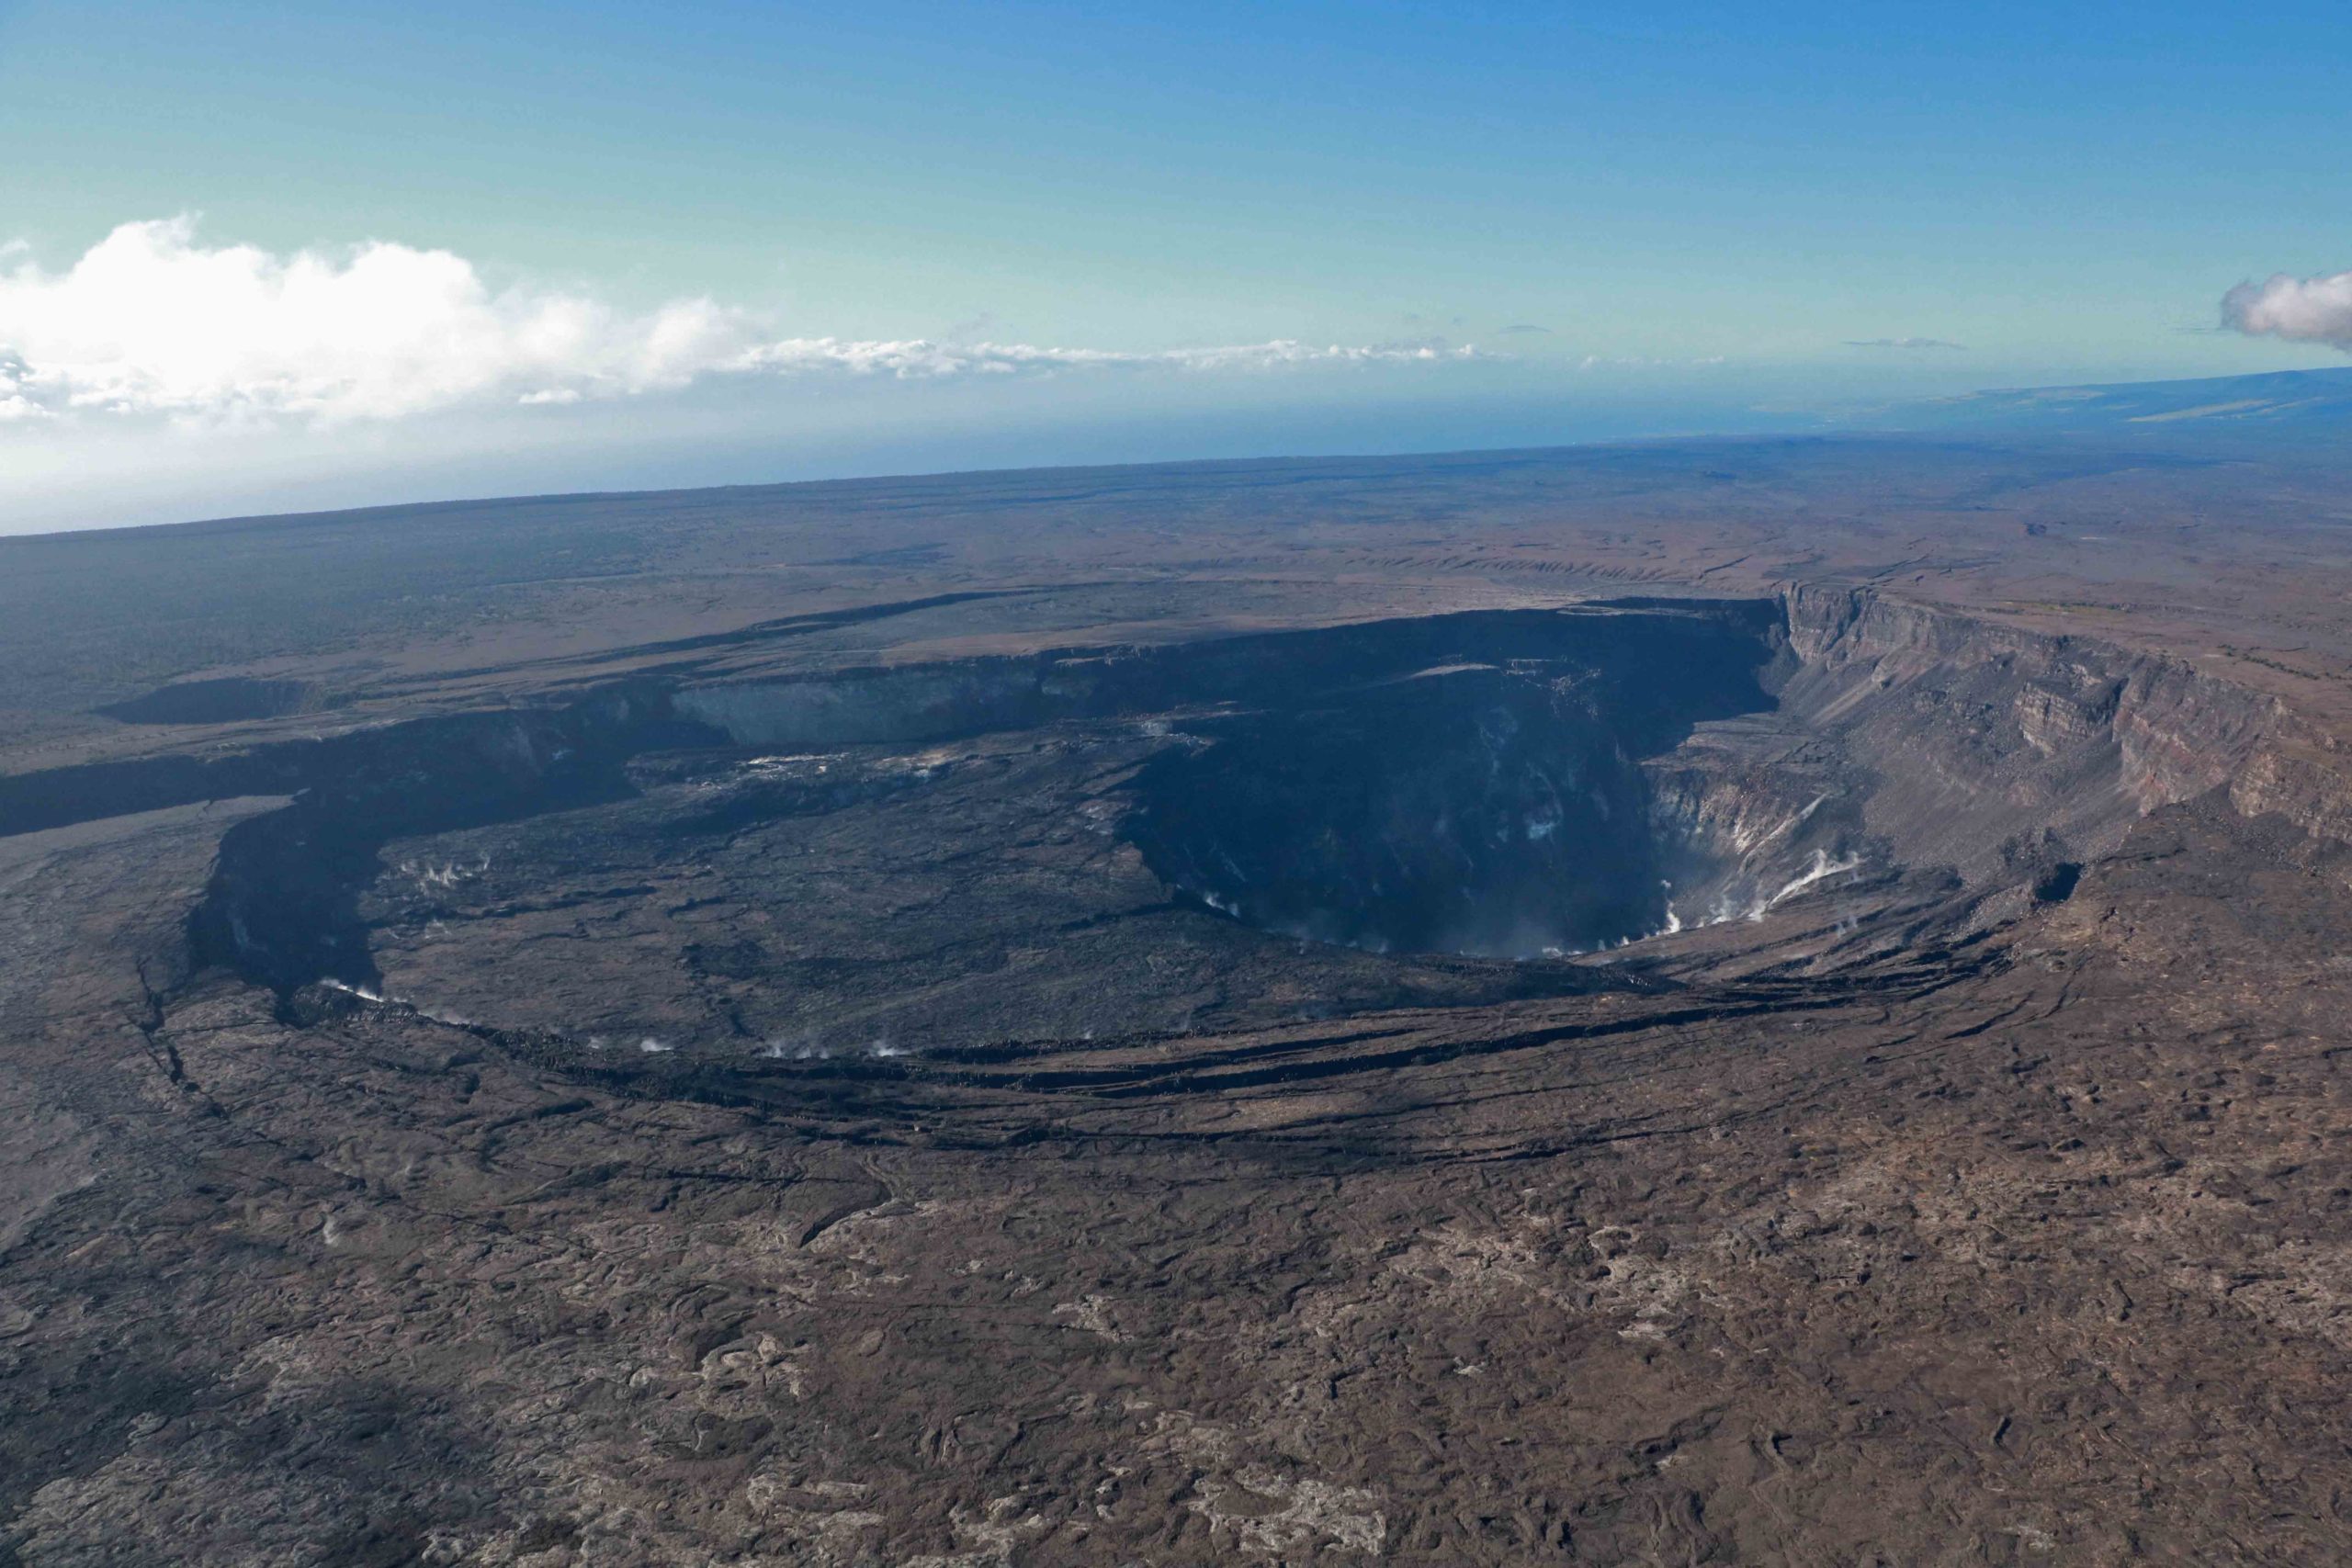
1653, 217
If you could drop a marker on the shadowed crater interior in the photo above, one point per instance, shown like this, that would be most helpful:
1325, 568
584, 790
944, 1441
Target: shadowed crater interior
1497, 808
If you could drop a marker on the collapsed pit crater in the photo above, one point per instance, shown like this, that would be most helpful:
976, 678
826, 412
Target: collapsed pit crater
1544, 805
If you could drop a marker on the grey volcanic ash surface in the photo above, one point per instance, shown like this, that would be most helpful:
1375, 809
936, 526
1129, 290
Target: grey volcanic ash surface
1752, 1002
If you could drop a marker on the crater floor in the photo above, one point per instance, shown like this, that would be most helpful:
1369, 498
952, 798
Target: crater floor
1213, 1061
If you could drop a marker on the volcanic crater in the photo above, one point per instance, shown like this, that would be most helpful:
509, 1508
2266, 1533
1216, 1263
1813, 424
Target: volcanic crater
1215, 834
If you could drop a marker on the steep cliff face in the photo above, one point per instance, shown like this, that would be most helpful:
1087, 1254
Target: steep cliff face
1977, 731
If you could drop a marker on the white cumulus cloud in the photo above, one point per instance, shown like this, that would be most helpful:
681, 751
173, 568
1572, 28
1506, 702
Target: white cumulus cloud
152, 320
2301, 309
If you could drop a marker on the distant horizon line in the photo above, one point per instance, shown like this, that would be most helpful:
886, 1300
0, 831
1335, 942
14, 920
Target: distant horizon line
1817, 436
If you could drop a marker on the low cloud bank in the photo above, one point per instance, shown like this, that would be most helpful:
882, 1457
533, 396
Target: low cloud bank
151, 320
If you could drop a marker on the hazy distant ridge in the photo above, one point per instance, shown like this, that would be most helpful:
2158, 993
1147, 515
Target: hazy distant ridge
2283, 400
